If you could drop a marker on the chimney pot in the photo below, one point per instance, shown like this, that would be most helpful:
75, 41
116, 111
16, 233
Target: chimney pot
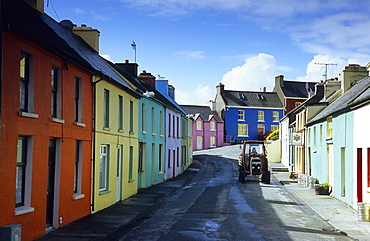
126, 61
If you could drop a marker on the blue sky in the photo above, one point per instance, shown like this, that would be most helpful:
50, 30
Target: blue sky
244, 44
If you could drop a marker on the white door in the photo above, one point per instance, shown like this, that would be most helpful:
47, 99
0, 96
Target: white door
199, 142
330, 165
119, 174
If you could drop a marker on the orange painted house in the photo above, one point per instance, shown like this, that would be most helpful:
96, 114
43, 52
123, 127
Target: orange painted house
46, 125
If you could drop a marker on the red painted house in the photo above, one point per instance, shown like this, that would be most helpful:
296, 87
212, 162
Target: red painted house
46, 124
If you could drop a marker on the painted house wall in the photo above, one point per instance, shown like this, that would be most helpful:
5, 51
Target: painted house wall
39, 129
173, 144
251, 119
113, 137
151, 172
361, 140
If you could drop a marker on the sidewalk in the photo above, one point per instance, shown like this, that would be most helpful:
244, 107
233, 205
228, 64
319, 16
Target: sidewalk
338, 214
111, 223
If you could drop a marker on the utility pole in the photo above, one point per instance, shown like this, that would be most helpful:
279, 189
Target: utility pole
326, 69
133, 45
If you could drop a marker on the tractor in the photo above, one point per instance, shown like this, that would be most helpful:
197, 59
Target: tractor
253, 161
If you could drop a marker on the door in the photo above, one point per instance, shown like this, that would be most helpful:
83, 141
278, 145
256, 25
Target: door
119, 174
199, 142
330, 165
153, 162
50, 183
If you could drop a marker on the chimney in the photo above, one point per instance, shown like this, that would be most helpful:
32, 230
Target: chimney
331, 86
90, 35
147, 78
171, 91
220, 88
36, 4
264, 89
130, 68
279, 80
351, 74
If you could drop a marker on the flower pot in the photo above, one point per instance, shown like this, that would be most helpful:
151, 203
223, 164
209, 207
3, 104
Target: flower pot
322, 190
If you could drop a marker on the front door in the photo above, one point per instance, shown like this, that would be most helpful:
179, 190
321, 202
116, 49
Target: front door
51, 183
199, 142
119, 173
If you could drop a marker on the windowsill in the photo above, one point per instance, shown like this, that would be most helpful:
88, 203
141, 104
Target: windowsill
161, 173
161, 135
153, 134
213, 130
23, 210
28, 114
144, 132
120, 130
242, 136
57, 120
80, 124
77, 196
328, 138
131, 132
104, 192
260, 121
199, 129
131, 180
106, 128
240, 120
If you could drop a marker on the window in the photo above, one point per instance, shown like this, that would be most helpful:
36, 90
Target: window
106, 109
26, 85
169, 125
169, 158
120, 113
177, 156
212, 141
23, 175
275, 116
161, 123
160, 158
131, 117
297, 104
173, 126
78, 171
240, 115
260, 129
330, 126
141, 156
261, 116
55, 93
199, 125
153, 120
104, 167
143, 118
78, 100
174, 158
242, 129
178, 127
213, 125
131, 165
274, 127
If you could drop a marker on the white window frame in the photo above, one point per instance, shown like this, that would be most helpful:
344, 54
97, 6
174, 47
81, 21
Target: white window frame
241, 115
199, 125
26, 207
243, 130
28, 111
275, 116
212, 125
274, 127
104, 169
261, 115
212, 141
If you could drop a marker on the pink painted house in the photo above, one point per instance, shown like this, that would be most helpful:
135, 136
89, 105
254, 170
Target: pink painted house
208, 127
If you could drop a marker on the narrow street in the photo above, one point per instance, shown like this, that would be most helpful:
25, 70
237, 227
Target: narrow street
215, 206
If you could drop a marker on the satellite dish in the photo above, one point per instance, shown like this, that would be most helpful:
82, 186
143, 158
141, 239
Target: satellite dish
67, 24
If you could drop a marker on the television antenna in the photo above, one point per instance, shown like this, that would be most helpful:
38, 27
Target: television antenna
326, 69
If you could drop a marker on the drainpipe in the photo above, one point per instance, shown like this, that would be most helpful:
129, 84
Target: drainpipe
93, 141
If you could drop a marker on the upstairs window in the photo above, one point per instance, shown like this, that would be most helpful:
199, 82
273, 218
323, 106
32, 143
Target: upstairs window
330, 126
261, 116
212, 125
241, 115
78, 100
199, 125
26, 83
131, 117
275, 116
143, 118
106, 109
120, 113
55, 93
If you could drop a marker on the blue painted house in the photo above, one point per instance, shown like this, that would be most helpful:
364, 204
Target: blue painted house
248, 115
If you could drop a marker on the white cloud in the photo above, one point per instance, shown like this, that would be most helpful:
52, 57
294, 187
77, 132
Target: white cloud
97, 16
257, 72
191, 54
201, 96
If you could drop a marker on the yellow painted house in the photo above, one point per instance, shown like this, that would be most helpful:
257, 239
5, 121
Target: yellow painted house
115, 144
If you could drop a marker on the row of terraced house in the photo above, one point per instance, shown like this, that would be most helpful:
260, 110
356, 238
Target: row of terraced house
78, 133
324, 137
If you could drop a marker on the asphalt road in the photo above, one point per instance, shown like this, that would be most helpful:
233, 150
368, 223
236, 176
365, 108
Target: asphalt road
215, 206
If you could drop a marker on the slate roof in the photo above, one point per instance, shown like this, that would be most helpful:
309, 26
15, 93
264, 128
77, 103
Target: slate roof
40, 28
297, 89
204, 111
357, 93
251, 99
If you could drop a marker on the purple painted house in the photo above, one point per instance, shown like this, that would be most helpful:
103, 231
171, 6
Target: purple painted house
208, 127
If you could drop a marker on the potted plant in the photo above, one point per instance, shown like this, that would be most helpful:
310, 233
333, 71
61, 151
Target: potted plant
322, 189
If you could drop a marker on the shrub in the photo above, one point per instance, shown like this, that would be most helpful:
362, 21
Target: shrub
273, 136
